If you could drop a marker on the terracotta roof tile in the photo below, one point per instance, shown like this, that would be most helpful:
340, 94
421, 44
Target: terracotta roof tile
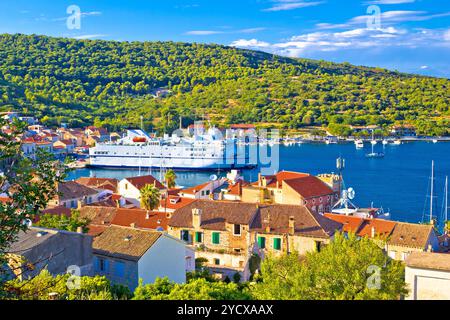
214, 214
124, 243
307, 223
140, 182
429, 260
73, 190
138, 217
309, 186
350, 223
411, 235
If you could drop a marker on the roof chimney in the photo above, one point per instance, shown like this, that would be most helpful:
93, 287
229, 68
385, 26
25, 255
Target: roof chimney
373, 232
80, 230
196, 218
133, 225
259, 180
291, 225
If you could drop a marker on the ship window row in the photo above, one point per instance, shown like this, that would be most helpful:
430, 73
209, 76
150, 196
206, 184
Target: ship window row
101, 152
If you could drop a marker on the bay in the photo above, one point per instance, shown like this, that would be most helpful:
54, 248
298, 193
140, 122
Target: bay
399, 182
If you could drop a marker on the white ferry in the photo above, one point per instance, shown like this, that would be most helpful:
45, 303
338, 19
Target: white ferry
137, 149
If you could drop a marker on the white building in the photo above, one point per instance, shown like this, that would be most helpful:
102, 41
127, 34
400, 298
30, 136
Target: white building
428, 276
125, 255
130, 188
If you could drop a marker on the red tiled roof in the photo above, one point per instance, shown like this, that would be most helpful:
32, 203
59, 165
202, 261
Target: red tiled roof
140, 182
138, 217
194, 190
382, 228
351, 224
309, 187
175, 202
236, 189
100, 183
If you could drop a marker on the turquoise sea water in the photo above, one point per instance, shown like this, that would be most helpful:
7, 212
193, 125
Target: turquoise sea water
399, 182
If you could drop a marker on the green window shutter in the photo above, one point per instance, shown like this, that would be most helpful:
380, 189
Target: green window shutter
198, 237
277, 243
262, 242
216, 238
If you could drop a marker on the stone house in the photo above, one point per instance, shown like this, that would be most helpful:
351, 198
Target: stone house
125, 255
292, 188
74, 195
228, 234
39, 248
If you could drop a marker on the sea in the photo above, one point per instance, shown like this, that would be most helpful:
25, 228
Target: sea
399, 183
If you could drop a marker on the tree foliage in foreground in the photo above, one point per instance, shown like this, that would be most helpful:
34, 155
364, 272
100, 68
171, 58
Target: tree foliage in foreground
62, 222
29, 184
196, 289
346, 269
45, 286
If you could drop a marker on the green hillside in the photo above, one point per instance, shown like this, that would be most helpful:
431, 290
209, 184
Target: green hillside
110, 83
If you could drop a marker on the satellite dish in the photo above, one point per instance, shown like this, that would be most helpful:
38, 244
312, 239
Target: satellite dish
351, 193
213, 177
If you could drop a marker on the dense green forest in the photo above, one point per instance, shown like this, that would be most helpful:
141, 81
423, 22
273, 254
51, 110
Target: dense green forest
109, 83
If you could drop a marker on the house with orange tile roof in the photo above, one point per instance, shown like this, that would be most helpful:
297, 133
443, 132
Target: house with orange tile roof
398, 239
293, 188
130, 188
202, 191
171, 203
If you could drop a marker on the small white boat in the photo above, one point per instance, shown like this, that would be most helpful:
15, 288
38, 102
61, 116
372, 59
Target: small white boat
435, 141
374, 142
385, 142
359, 144
397, 142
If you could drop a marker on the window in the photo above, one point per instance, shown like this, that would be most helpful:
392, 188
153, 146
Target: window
102, 265
184, 235
237, 230
318, 246
199, 237
217, 262
262, 242
216, 238
277, 244
119, 269
126, 186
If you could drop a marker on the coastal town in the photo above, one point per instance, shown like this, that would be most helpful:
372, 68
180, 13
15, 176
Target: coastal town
142, 228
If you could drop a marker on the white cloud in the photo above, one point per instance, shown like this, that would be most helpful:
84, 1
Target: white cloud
253, 43
252, 30
387, 18
424, 67
356, 39
284, 5
447, 35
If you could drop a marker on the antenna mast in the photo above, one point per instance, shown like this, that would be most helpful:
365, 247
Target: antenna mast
432, 191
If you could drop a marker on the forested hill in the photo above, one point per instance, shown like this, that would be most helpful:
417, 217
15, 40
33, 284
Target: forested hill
111, 83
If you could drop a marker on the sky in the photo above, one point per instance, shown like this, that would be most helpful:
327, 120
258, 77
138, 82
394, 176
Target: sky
406, 35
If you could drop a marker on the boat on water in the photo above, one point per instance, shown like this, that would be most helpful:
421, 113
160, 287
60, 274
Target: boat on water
346, 207
359, 144
385, 142
374, 154
208, 151
396, 142
435, 141
331, 140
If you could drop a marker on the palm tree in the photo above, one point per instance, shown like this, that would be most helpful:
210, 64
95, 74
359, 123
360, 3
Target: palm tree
170, 178
150, 197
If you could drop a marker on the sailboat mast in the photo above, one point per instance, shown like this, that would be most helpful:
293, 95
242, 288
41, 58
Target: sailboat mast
446, 200
432, 191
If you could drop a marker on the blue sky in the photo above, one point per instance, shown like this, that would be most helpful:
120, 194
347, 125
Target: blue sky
412, 36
